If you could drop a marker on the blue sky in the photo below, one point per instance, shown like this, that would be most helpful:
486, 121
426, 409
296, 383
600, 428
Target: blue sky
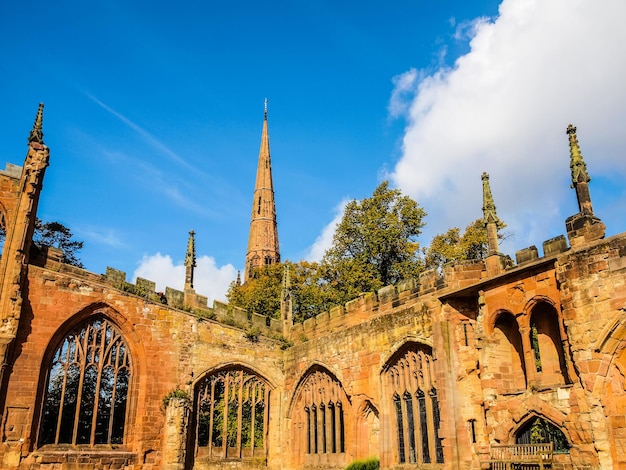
154, 113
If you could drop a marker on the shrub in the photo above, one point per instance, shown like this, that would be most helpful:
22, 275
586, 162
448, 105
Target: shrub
368, 464
176, 393
252, 334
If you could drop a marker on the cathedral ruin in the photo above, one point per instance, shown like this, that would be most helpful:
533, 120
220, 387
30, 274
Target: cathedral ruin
484, 364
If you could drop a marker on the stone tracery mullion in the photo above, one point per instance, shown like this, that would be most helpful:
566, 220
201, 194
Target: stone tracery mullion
71, 377
321, 405
114, 390
239, 389
411, 378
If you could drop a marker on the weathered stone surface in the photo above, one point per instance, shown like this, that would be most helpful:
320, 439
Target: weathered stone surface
435, 371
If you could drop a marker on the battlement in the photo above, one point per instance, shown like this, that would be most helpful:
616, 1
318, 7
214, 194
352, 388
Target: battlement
189, 301
12, 171
414, 294
195, 303
405, 295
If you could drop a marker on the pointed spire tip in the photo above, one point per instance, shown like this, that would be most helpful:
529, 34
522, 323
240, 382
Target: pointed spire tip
36, 135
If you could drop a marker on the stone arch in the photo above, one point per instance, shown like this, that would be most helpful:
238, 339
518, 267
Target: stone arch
535, 429
88, 381
412, 403
611, 339
539, 299
546, 341
315, 365
581, 453
230, 418
492, 317
227, 364
402, 344
508, 353
322, 419
133, 343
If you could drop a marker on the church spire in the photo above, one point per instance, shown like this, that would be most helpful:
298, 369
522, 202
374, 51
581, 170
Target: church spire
190, 260
36, 135
490, 218
263, 240
580, 177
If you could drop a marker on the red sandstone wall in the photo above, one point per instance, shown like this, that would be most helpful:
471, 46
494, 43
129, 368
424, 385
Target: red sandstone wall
169, 349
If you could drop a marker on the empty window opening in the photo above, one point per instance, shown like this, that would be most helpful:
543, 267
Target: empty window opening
87, 391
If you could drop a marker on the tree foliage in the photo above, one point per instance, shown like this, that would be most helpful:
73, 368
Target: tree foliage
53, 234
452, 246
261, 292
375, 244
57, 235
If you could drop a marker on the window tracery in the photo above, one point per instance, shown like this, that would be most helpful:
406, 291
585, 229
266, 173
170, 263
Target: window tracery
321, 399
86, 393
232, 415
319, 414
415, 405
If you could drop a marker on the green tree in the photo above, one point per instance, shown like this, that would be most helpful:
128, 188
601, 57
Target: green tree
311, 294
452, 246
260, 293
375, 244
58, 236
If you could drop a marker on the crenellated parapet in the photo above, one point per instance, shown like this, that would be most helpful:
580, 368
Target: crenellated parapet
197, 304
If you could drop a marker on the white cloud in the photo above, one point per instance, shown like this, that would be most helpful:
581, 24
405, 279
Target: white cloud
209, 279
504, 107
325, 239
466, 30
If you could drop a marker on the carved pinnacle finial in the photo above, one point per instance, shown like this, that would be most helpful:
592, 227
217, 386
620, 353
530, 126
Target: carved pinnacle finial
577, 164
490, 218
265, 111
190, 260
489, 207
190, 257
238, 281
286, 301
287, 277
36, 135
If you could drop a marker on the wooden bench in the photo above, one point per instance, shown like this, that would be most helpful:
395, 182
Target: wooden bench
507, 457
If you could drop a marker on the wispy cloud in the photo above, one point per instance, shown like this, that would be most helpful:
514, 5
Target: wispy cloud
150, 139
503, 108
209, 279
100, 235
168, 184
403, 93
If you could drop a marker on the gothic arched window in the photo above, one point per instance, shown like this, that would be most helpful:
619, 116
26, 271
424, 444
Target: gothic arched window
322, 395
232, 411
415, 405
319, 415
87, 387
